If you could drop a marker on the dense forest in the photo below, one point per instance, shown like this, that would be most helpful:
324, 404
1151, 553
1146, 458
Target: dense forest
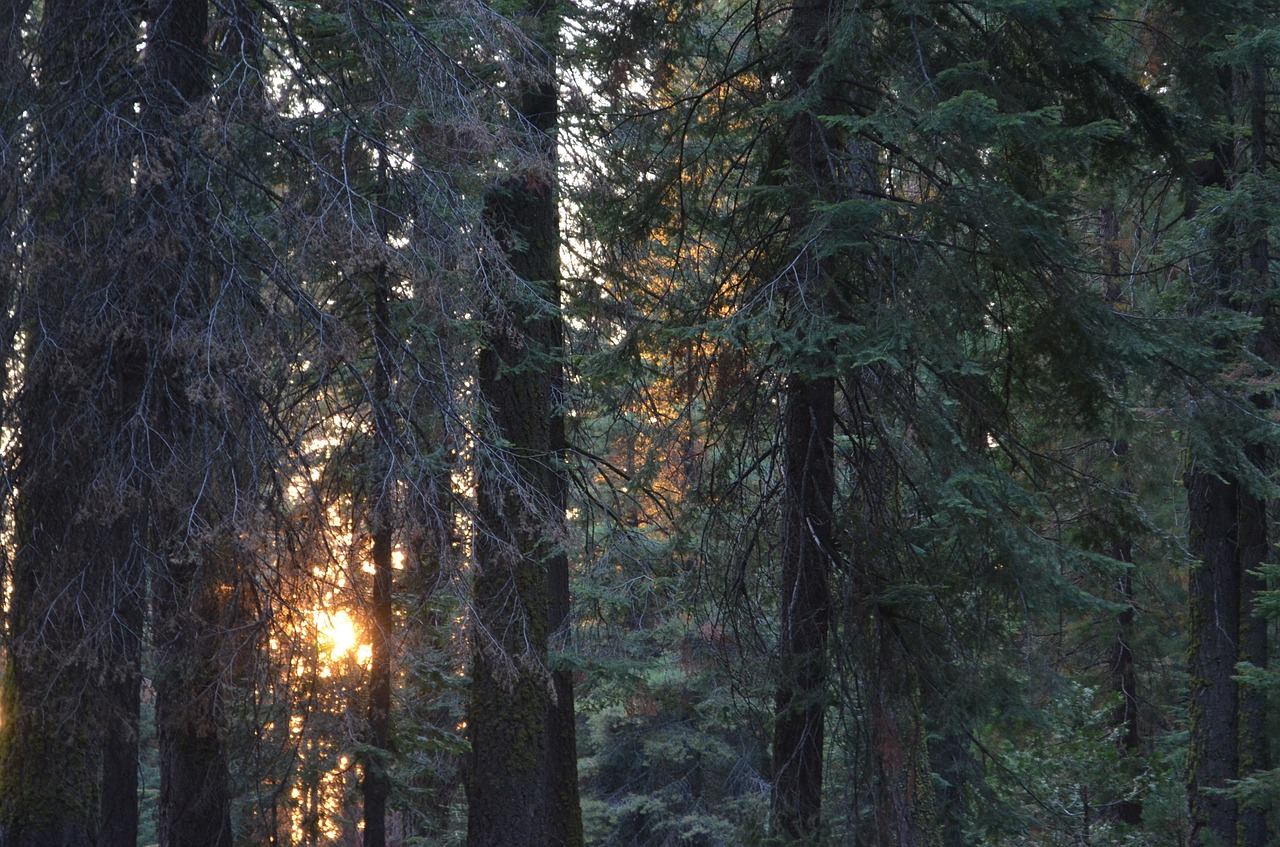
639, 423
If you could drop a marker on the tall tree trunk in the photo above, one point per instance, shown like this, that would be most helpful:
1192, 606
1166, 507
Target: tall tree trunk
808, 482
194, 476
376, 784
564, 807
806, 607
1214, 589
507, 721
1253, 736
1254, 519
522, 786
68, 744
1228, 524
195, 807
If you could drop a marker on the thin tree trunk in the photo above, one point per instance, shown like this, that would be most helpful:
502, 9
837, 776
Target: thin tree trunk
1254, 738
564, 808
1124, 676
376, 784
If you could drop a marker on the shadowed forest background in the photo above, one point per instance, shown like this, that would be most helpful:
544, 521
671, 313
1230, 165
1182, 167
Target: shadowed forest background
638, 423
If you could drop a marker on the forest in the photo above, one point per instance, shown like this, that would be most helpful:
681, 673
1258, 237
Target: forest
639, 423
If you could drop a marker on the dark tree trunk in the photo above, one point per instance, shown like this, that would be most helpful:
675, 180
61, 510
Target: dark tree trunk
521, 775
808, 479
1124, 681
1228, 523
192, 484
806, 608
509, 701
1124, 675
1214, 590
1254, 741
68, 743
564, 808
195, 809
376, 785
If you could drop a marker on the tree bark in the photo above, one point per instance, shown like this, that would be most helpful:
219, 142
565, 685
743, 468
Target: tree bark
193, 480
1228, 524
808, 478
376, 784
523, 780
68, 744
1214, 589
806, 607
1254, 518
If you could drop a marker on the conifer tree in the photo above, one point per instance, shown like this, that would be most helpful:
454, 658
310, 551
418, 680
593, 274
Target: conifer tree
69, 746
523, 784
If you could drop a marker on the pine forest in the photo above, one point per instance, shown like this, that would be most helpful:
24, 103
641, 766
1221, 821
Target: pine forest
639, 423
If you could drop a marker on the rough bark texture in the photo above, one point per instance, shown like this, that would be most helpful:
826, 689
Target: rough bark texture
522, 786
68, 744
1253, 539
509, 700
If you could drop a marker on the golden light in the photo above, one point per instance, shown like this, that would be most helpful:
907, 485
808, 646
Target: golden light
339, 630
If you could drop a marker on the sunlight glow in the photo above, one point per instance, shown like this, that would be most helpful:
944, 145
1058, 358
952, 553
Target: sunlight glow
339, 631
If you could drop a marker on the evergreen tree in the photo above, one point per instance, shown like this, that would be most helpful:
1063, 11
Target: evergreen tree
69, 747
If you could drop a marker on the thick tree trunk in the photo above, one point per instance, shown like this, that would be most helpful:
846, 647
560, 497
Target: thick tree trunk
192, 484
1228, 527
523, 779
68, 743
195, 809
509, 700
